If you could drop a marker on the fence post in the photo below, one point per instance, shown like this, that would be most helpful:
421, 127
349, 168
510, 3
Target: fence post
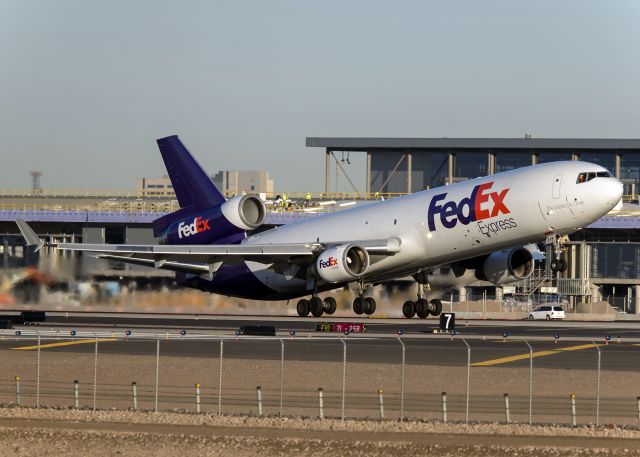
18, 391
444, 407
573, 409
344, 373
637, 399
381, 403
402, 379
321, 403
38, 374
598, 384
506, 408
220, 378
197, 398
76, 395
157, 374
466, 410
95, 374
281, 374
530, 382
134, 394
259, 393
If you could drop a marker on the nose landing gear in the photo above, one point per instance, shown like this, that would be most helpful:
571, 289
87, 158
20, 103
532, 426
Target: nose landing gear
557, 264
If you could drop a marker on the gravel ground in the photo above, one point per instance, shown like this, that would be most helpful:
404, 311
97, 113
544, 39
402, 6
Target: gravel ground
49, 432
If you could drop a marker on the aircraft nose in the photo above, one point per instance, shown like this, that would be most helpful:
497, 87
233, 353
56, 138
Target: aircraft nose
612, 192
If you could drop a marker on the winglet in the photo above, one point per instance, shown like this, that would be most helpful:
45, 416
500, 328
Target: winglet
29, 235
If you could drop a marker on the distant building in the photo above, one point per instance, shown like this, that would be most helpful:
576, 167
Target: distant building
155, 187
237, 181
229, 182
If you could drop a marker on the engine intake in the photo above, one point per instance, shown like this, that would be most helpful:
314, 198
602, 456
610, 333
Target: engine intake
246, 212
342, 263
507, 266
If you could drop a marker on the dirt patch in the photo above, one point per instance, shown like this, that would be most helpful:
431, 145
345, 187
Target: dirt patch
49, 432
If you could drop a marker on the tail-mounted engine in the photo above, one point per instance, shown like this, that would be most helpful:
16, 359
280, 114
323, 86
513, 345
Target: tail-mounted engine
506, 266
218, 225
342, 263
245, 212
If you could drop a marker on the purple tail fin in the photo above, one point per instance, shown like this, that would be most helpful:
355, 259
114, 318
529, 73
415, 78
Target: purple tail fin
194, 189
192, 185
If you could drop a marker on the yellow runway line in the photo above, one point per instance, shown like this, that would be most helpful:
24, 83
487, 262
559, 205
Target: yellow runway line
63, 343
582, 346
515, 358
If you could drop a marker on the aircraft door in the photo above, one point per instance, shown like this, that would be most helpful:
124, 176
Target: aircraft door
557, 185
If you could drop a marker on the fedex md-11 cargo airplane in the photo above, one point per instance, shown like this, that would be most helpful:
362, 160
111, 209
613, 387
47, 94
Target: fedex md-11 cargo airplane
478, 227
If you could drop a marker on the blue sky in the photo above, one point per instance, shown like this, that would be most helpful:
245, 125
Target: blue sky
86, 87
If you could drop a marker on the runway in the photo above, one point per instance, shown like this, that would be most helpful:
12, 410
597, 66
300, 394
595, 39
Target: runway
227, 324
574, 349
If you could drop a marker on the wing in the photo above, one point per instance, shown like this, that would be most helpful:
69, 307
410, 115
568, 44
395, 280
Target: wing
205, 260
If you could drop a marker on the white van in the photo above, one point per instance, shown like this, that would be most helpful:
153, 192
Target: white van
547, 312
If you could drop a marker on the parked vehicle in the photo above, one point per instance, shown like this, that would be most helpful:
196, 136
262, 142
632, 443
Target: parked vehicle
547, 312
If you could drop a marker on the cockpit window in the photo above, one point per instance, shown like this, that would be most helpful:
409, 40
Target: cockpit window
584, 177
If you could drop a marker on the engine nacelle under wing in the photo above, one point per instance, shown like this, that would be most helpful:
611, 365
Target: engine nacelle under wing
508, 265
342, 263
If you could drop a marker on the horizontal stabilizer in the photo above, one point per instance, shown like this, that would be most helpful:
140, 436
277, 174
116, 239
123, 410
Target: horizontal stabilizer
29, 235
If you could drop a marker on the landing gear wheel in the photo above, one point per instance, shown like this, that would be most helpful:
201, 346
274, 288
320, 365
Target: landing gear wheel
370, 306
358, 305
330, 305
563, 266
315, 305
303, 308
422, 308
409, 309
558, 265
435, 307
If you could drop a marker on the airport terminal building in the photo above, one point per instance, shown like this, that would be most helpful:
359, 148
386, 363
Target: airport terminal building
401, 165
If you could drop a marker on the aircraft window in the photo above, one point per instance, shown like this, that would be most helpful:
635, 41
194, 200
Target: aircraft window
584, 177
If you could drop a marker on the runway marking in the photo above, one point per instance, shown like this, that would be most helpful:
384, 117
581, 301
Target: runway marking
63, 343
515, 358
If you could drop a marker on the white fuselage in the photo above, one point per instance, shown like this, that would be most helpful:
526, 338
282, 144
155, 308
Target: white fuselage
447, 224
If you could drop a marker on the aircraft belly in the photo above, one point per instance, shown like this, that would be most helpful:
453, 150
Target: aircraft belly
281, 282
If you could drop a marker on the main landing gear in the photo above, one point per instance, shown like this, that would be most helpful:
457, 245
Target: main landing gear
366, 305
316, 306
421, 307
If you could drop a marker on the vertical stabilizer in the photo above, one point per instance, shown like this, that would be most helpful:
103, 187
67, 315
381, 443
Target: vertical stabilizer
192, 185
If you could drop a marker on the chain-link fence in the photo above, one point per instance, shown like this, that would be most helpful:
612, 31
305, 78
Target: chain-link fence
426, 377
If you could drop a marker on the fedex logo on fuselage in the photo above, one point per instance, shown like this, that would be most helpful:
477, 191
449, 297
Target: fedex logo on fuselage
198, 225
330, 262
482, 204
